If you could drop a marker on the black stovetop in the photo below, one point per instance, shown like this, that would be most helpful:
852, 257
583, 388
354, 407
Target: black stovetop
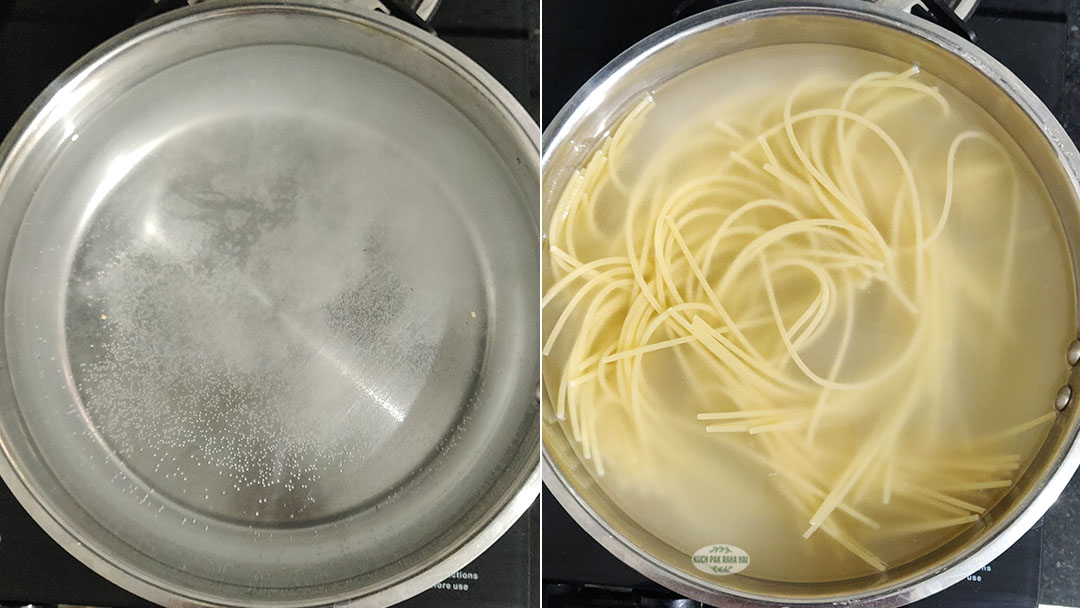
1040, 42
41, 38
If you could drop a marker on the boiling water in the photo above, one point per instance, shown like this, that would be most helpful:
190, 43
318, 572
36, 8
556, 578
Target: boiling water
979, 386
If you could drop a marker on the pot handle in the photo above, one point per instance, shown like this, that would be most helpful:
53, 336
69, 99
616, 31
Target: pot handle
938, 11
399, 9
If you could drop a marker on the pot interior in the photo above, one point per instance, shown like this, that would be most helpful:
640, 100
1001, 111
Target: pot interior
266, 308
579, 129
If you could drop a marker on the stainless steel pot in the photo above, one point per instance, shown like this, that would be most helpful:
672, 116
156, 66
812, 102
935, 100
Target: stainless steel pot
268, 310
858, 24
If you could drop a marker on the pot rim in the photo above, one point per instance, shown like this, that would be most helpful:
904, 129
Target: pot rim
528, 480
1063, 465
